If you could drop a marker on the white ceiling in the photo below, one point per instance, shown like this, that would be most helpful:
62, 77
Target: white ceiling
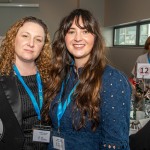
5, 1
19, 1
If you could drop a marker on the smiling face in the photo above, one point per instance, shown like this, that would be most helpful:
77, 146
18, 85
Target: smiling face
29, 42
79, 43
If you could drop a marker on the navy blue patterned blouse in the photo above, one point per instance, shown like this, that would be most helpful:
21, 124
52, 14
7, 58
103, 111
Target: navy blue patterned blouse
113, 130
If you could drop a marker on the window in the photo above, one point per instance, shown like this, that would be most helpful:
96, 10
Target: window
131, 34
144, 33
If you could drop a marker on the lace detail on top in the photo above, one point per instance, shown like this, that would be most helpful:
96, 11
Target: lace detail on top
29, 116
113, 130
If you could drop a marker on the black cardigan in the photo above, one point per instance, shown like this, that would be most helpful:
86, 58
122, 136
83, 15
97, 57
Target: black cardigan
141, 140
11, 136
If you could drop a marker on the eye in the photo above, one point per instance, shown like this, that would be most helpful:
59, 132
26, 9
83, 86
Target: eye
85, 31
71, 31
24, 35
39, 40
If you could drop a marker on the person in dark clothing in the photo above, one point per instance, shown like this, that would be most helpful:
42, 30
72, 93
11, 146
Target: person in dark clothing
141, 139
25, 56
88, 101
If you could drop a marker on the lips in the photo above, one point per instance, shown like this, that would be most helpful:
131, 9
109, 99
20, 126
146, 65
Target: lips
28, 50
78, 45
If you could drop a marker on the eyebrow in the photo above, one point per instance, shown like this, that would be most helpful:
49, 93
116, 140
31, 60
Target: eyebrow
78, 27
29, 33
71, 28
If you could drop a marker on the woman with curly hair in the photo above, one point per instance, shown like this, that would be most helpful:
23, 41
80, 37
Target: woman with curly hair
25, 56
88, 101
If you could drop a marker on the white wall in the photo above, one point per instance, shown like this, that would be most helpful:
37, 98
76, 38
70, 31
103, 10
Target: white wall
50, 11
96, 7
118, 12
124, 11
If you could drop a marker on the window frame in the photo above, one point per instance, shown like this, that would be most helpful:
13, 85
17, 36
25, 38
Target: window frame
137, 42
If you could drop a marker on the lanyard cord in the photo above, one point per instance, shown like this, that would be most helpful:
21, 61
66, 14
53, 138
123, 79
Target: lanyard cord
148, 58
61, 108
32, 97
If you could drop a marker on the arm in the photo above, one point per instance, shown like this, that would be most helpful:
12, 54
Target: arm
115, 111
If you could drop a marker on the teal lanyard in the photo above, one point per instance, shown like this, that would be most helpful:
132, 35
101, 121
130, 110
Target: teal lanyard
61, 108
148, 58
32, 97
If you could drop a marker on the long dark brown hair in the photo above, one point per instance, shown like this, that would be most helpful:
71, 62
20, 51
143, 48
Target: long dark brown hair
87, 99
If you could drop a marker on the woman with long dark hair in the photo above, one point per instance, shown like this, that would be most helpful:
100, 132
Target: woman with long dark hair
88, 101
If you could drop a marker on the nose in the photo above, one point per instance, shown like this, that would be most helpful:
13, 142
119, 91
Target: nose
31, 42
78, 37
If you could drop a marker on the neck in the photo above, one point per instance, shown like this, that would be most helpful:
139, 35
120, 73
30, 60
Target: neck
26, 69
79, 64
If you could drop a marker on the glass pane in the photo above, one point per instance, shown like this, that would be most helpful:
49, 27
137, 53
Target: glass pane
125, 36
144, 33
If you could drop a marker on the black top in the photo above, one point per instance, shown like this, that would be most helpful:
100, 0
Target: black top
141, 140
11, 135
29, 116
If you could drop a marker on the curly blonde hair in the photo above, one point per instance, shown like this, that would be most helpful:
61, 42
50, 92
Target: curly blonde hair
7, 49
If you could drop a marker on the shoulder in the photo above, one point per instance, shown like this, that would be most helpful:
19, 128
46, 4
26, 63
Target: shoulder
2, 95
111, 73
142, 58
116, 89
116, 83
143, 55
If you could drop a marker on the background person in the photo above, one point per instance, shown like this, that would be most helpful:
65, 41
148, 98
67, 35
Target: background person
144, 58
141, 86
141, 102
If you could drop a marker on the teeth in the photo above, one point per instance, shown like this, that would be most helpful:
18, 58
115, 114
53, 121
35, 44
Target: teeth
79, 45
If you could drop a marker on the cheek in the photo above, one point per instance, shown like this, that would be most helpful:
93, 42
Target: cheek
16, 45
68, 38
16, 42
67, 41
39, 48
91, 41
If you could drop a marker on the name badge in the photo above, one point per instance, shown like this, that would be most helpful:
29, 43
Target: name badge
41, 134
58, 143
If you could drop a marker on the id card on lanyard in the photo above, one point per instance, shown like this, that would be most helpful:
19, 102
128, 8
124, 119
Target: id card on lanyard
58, 143
39, 134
